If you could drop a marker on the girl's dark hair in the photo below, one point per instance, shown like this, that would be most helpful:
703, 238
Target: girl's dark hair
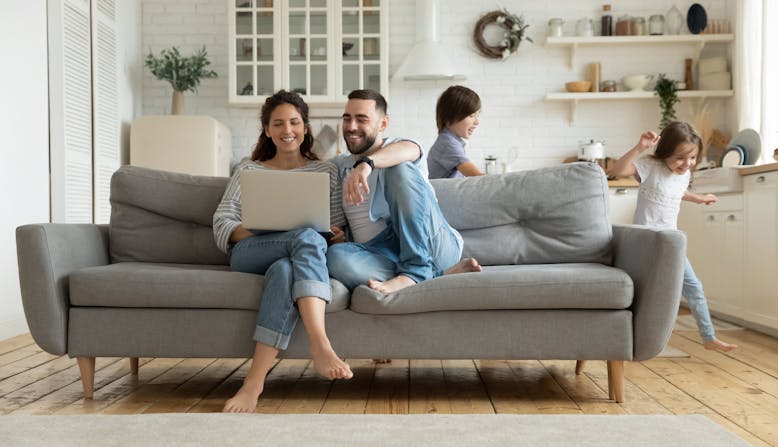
455, 104
265, 149
674, 134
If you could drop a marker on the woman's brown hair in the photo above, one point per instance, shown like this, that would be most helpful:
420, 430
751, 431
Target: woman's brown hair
676, 133
265, 149
455, 104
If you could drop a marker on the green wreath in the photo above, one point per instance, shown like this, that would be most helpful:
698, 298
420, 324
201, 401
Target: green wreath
514, 32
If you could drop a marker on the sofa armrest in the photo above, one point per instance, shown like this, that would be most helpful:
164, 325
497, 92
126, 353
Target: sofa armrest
654, 259
47, 255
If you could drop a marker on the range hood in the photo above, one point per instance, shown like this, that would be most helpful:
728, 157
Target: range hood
429, 59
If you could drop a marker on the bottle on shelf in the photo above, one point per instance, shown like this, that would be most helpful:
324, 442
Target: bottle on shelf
606, 28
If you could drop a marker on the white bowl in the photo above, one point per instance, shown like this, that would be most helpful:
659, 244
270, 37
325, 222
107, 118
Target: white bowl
636, 82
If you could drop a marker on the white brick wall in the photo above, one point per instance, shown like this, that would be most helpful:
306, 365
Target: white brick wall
517, 124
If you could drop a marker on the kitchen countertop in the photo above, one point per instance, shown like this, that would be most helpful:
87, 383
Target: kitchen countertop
758, 169
623, 183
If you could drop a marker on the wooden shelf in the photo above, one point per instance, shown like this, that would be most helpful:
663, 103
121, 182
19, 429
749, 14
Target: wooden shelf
699, 40
574, 98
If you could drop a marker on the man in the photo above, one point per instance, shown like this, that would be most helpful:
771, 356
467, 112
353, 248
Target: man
401, 237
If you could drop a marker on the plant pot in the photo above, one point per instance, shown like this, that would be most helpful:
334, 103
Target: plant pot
177, 106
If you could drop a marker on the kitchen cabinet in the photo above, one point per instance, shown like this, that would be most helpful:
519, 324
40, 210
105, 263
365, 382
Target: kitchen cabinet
760, 294
623, 202
733, 247
322, 49
573, 43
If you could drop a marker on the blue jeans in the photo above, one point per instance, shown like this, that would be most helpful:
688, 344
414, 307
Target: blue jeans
294, 266
417, 242
695, 297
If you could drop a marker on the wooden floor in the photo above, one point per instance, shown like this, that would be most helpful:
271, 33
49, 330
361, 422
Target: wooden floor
738, 390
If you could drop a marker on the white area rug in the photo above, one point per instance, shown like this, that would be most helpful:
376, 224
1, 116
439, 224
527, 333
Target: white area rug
364, 430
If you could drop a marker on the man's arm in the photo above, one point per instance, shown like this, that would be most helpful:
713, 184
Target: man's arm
386, 156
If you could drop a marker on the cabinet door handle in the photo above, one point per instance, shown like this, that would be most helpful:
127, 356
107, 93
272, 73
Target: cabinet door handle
711, 218
760, 179
621, 191
731, 217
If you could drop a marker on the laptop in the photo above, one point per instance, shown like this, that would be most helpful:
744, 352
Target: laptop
285, 200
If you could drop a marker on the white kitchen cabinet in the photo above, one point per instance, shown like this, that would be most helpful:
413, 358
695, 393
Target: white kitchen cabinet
714, 236
761, 244
623, 202
322, 49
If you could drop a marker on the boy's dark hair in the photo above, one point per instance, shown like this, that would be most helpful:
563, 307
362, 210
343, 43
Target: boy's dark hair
380, 101
265, 149
455, 104
674, 134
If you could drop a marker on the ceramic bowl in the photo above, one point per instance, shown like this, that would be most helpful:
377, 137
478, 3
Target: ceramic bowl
578, 86
636, 82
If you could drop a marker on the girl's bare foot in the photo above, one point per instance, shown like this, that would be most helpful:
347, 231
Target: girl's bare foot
399, 282
245, 400
718, 345
466, 265
327, 363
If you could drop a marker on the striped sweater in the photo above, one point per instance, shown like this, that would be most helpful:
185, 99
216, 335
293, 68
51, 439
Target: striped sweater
228, 214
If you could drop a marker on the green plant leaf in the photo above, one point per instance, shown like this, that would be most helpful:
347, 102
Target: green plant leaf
183, 73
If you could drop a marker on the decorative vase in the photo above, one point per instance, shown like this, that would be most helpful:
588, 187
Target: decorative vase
674, 21
177, 106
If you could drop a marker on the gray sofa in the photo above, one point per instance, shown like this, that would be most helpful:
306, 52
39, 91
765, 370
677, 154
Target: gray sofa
559, 281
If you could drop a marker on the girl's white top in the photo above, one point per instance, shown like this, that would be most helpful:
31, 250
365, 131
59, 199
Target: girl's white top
659, 195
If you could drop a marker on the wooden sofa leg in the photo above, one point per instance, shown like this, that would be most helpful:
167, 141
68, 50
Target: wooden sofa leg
616, 380
87, 367
579, 367
134, 365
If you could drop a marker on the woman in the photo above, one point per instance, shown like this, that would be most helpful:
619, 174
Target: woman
293, 262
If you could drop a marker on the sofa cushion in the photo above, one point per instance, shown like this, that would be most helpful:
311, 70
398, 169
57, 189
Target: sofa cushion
551, 215
144, 284
543, 286
159, 216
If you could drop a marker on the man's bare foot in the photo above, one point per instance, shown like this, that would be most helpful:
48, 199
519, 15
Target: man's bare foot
245, 400
466, 265
718, 345
327, 363
399, 282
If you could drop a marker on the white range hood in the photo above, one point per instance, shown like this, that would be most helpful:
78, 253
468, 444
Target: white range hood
429, 59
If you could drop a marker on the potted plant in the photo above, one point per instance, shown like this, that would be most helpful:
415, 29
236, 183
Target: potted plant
183, 73
665, 89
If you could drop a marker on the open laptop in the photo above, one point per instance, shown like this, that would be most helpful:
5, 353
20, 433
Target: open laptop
285, 200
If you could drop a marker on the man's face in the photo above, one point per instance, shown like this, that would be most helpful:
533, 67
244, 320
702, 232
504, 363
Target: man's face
362, 125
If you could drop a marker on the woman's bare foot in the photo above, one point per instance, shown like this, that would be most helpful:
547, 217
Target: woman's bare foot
245, 400
399, 282
466, 265
327, 363
718, 345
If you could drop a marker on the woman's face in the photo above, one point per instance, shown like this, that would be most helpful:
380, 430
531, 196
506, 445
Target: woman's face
684, 158
286, 128
465, 127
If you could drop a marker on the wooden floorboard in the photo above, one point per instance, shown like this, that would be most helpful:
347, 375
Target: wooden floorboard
738, 390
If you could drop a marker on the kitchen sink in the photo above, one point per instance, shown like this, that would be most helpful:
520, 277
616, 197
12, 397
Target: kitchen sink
717, 180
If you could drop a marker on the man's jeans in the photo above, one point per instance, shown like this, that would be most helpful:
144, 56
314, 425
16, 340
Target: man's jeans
698, 305
294, 266
417, 242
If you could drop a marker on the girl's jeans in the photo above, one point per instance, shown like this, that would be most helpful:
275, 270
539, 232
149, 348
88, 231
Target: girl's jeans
294, 266
695, 297
417, 242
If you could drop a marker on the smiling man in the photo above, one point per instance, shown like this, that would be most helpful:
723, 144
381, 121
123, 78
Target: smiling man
400, 235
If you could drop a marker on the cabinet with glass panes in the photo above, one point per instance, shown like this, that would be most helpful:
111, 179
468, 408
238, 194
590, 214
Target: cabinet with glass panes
322, 49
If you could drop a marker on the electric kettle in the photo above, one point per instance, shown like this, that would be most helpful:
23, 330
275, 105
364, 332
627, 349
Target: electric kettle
591, 150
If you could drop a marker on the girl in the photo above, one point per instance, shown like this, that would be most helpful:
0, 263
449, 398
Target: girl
293, 262
457, 118
664, 178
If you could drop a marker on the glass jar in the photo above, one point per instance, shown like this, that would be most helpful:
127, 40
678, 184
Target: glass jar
555, 26
656, 25
608, 86
638, 26
624, 26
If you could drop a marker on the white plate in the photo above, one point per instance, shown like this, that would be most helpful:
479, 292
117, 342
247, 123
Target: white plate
733, 156
750, 141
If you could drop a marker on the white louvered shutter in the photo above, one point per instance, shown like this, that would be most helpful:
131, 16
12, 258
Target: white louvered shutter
70, 111
105, 97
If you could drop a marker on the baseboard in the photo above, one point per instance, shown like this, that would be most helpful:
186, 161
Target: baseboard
12, 328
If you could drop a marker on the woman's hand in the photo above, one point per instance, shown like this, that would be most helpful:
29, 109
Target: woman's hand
647, 140
240, 233
338, 235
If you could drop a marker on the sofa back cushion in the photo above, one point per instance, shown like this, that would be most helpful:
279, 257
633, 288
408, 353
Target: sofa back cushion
160, 216
550, 215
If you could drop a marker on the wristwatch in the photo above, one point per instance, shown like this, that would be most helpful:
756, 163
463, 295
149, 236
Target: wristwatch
365, 159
